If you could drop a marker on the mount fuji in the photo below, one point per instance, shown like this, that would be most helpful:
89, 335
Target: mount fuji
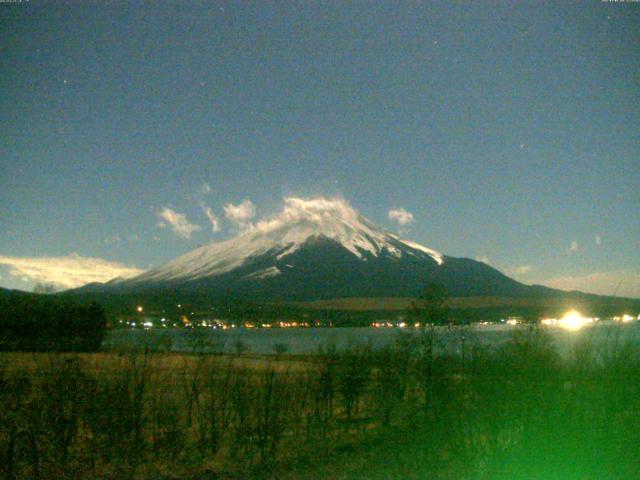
317, 249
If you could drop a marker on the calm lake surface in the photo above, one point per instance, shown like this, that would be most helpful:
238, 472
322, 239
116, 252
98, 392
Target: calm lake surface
310, 340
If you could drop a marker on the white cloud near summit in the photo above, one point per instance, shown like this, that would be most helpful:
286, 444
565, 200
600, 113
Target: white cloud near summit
401, 216
312, 209
67, 272
177, 222
241, 214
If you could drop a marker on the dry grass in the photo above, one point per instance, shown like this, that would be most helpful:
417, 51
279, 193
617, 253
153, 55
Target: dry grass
162, 361
406, 411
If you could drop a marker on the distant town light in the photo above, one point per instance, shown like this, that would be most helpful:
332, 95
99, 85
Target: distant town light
139, 308
573, 320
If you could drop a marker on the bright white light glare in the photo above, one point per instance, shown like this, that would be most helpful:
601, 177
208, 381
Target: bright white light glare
574, 320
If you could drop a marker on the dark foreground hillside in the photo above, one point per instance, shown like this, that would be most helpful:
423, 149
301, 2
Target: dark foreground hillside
399, 413
31, 322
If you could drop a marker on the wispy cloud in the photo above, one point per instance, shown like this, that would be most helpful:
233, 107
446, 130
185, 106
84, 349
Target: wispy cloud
177, 222
67, 272
483, 259
401, 216
204, 189
573, 248
112, 239
517, 271
117, 239
240, 214
200, 193
623, 283
213, 220
598, 239
523, 269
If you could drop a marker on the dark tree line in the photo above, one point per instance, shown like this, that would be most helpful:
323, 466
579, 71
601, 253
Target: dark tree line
45, 323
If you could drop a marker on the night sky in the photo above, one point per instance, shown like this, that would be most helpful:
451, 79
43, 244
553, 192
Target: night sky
507, 132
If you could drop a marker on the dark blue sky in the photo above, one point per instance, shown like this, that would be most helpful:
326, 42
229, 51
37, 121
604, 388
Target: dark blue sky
510, 131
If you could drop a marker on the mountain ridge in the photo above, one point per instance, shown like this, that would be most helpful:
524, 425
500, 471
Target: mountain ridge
318, 249
282, 235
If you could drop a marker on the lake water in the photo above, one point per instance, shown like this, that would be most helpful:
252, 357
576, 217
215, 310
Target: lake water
309, 340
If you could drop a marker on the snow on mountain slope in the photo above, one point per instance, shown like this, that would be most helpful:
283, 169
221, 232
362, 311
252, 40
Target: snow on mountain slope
285, 233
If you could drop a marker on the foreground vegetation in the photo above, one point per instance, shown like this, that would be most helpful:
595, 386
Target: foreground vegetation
31, 322
411, 410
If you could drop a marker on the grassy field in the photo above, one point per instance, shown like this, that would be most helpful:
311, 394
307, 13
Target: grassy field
407, 411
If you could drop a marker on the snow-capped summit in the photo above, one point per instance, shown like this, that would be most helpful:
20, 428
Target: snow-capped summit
285, 233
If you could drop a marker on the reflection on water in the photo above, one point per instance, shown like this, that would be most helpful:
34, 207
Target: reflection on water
309, 340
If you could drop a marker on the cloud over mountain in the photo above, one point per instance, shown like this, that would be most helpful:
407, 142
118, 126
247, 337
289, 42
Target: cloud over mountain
401, 216
177, 222
67, 272
240, 214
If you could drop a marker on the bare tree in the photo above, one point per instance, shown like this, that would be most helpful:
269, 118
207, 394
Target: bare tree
431, 306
